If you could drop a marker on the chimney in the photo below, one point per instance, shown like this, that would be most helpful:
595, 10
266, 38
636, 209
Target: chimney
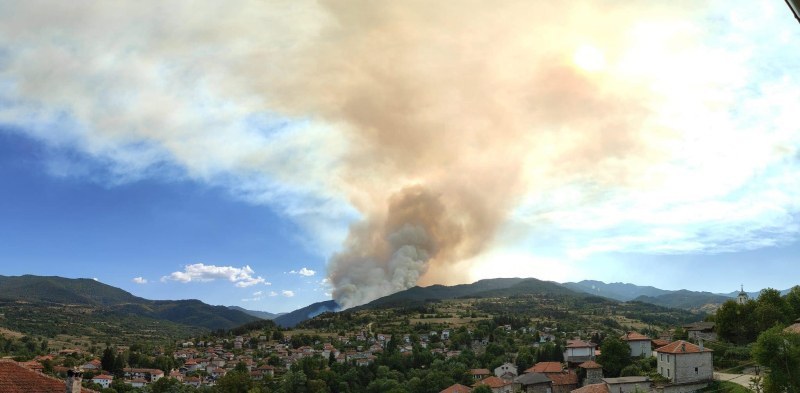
683, 347
73, 381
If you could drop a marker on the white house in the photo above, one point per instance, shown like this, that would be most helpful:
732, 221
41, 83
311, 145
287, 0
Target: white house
103, 380
639, 344
683, 362
579, 351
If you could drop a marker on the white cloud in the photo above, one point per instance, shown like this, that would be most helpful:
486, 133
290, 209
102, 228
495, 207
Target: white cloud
287, 293
139, 280
304, 272
242, 277
273, 293
257, 293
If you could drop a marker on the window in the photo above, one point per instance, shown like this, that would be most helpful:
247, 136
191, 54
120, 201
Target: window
668, 373
696, 371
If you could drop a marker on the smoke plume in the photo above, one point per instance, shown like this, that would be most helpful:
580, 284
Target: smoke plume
433, 120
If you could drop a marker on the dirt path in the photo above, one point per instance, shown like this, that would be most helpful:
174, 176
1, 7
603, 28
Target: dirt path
739, 379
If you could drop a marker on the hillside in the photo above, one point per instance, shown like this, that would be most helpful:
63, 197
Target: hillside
297, 316
83, 291
617, 291
418, 295
48, 300
685, 299
257, 314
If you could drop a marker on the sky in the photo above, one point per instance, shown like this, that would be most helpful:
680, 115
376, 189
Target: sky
273, 154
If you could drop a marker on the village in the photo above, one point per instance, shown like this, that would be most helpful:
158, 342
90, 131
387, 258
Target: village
684, 365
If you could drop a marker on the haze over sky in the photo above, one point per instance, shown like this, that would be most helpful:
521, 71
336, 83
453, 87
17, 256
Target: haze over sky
273, 154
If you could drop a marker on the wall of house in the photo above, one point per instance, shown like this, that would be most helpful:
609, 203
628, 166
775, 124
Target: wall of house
540, 388
578, 353
629, 387
640, 348
687, 367
593, 376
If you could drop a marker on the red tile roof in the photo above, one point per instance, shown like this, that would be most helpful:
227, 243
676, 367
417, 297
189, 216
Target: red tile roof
579, 344
492, 382
480, 371
680, 347
546, 367
457, 388
658, 343
590, 365
563, 378
634, 336
17, 379
594, 388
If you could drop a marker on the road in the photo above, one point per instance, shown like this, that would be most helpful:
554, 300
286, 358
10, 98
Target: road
740, 379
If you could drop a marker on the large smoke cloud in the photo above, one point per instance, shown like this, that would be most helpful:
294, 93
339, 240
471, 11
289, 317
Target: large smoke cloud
433, 120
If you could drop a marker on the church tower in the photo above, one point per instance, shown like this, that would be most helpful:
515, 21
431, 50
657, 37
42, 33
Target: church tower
742, 298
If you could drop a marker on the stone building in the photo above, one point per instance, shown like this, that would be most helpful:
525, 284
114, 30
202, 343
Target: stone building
683, 362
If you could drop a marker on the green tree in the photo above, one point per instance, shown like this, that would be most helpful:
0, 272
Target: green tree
166, 385
793, 302
107, 361
235, 382
294, 382
780, 352
482, 389
615, 355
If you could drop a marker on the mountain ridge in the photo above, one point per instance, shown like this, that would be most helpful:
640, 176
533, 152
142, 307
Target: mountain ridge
115, 301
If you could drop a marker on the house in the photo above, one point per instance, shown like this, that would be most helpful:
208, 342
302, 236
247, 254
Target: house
479, 373
594, 372
564, 381
701, 331
15, 378
137, 382
579, 351
639, 344
93, 365
496, 384
457, 388
683, 362
627, 384
546, 367
593, 388
103, 380
506, 368
533, 383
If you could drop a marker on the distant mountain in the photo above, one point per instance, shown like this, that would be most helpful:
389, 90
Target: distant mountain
618, 291
61, 290
257, 314
685, 299
441, 292
752, 295
116, 302
293, 318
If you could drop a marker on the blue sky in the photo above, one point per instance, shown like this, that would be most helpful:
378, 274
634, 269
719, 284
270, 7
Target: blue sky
236, 156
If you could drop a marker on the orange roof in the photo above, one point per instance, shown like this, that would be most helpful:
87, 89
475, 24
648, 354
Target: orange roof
590, 365
492, 382
546, 367
634, 336
594, 388
660, 343
457, 388
480, 371
579, 344
17, 379
680, 347
563, 378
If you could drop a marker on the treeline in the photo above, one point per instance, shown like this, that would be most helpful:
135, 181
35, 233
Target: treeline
742, 323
